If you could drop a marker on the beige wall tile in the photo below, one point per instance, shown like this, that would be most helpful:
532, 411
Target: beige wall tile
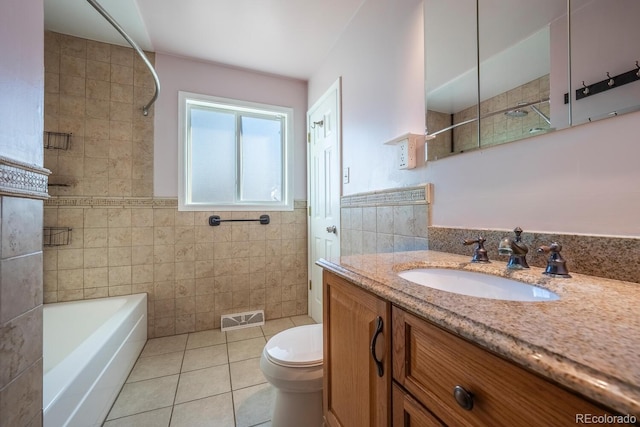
94, 89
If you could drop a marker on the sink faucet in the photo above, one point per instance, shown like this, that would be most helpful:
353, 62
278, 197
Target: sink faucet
479, 253
516, 249
556, 265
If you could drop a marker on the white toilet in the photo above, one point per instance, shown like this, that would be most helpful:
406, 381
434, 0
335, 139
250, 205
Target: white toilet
292, 363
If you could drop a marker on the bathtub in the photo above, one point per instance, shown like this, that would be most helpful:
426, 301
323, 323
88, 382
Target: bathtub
89, 348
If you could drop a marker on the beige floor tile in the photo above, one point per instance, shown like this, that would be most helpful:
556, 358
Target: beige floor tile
253, 405
212, 411
243, 334
302, 320
246, 373
267, 424
144, 396
203, 383
156, 366
246, 349
164, 345
205, 338
272, 327
205, 357
156, 418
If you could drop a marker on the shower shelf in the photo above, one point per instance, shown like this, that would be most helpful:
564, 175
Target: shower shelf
57, 140
56, 236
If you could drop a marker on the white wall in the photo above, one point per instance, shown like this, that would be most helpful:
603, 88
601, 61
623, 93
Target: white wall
380, 58
21, 81
178, 74
583, 180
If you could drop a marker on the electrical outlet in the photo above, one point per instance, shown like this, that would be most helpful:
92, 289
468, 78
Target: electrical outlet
403, 154
406, 150
407, 154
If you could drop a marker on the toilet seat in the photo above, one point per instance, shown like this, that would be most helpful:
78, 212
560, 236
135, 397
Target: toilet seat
296, 347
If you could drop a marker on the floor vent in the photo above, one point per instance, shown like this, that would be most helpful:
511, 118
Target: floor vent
247, 319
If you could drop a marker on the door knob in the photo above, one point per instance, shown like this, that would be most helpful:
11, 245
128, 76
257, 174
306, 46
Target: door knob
332, 229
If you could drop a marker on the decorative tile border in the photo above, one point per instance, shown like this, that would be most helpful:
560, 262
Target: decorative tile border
419, 195
128, 202
23, 179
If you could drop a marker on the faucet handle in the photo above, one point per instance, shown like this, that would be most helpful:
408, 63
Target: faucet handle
556, 264
479, 253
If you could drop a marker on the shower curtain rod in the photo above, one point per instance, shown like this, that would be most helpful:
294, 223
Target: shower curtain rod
134, 45
522, 105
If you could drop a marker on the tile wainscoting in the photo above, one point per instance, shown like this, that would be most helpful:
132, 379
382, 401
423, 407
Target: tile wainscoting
192, 272
392, 220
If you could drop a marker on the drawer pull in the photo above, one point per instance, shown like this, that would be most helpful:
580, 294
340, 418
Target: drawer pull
373, 346
463, 397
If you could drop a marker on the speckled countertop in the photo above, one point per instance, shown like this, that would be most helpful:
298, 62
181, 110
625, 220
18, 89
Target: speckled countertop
588, 340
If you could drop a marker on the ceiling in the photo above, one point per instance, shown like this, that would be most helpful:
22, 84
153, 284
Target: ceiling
284, 37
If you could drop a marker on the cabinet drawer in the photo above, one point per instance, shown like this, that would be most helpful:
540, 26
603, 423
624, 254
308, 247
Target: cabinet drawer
430, 363
407, 412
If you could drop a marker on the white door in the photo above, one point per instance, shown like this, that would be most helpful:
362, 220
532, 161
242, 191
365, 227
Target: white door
324, 134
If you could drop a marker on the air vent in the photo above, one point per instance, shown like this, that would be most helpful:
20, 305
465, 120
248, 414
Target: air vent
229, 322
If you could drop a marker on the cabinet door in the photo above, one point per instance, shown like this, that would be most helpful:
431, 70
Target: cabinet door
407, 412
355, 394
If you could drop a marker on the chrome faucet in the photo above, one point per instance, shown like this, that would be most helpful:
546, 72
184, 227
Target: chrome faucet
556, 265
516, 249
479, 252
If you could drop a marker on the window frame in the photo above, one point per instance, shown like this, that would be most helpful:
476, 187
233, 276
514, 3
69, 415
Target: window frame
185, 203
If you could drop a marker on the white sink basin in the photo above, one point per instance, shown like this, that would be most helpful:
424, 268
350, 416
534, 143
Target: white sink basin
477, 284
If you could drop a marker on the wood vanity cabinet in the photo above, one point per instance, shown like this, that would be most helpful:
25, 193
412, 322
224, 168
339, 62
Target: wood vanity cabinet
429, 363
354, 392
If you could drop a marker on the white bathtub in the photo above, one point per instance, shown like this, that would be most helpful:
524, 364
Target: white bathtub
89, 348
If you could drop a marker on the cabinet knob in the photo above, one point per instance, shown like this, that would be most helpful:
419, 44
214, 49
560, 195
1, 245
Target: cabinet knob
463, 397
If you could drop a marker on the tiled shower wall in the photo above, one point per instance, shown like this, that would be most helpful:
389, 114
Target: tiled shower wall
96, 91
125, 241
385, 221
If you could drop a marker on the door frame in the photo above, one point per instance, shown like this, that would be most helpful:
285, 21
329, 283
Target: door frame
337, 88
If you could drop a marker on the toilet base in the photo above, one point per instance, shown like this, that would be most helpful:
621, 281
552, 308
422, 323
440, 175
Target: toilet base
297, 409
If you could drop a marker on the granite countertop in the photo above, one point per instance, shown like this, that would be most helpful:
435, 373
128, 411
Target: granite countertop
588, 340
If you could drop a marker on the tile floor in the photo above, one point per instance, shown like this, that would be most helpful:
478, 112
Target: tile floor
208, 378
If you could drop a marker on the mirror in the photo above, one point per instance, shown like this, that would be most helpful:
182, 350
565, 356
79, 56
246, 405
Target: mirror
522, 87
516, 65
451, 76
605, 56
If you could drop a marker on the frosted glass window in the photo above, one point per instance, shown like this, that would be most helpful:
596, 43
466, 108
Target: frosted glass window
234, 155
261, 154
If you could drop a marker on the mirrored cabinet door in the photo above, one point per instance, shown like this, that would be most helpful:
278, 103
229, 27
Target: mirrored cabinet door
605, 55
516, 67
451, 77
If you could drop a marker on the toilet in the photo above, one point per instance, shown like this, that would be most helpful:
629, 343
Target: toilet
292, 363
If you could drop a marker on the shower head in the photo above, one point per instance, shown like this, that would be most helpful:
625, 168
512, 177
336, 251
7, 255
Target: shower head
516, 112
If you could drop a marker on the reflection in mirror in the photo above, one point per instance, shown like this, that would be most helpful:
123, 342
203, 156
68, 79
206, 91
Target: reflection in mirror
516, 64
604, 37
451, 77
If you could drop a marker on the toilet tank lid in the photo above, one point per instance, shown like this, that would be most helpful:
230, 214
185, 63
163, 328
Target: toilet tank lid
299, 346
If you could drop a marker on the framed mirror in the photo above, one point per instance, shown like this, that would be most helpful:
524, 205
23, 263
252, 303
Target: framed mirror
605, 70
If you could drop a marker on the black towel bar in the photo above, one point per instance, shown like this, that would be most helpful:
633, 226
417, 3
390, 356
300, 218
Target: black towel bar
215, 220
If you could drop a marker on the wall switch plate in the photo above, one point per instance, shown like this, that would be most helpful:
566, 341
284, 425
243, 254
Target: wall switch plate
345, 175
